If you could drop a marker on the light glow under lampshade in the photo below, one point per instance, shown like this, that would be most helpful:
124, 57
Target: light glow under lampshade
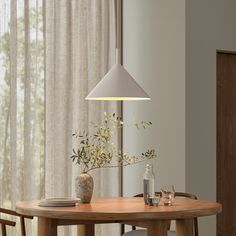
117, 84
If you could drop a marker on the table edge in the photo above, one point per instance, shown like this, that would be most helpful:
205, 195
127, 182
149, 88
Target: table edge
119, 216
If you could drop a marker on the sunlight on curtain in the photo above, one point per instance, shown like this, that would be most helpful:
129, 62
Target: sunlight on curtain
59, 56
21, 101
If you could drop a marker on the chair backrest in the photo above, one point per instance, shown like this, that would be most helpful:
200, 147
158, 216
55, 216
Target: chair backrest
179, 194
5, 223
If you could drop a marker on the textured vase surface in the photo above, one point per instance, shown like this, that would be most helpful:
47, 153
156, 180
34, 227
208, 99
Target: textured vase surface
84, 187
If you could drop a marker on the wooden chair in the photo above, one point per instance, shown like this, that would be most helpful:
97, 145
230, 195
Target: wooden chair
142, 232
5, 223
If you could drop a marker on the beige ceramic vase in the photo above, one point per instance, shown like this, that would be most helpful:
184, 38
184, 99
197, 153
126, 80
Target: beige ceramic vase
84, 187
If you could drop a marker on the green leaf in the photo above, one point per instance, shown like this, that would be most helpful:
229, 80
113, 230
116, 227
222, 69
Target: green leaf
96, 148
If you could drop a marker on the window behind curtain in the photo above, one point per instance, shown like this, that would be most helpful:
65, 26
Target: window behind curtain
21, 101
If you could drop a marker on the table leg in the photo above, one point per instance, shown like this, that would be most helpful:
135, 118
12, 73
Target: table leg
47, 227
184, 227
86, 230
159, 228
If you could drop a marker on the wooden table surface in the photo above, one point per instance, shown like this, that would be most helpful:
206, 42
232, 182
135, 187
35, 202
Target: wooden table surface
117, 210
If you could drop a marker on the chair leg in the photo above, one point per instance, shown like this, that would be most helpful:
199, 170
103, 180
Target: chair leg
122, 229
22, 224
4, 233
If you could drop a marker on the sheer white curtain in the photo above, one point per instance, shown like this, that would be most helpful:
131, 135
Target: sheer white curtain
51, 54
22, 162
80, 48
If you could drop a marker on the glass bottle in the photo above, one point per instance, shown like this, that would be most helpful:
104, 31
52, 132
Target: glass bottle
148, 183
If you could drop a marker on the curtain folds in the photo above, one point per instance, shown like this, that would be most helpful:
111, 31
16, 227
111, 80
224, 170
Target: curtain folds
52, 53
80, 49
22, 123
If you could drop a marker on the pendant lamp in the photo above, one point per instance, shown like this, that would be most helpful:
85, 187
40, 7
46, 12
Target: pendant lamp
118, 84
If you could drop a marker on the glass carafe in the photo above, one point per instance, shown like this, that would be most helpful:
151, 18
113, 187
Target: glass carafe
148, 183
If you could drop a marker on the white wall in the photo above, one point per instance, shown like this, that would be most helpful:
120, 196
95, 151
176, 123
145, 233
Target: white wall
154, 53
210, 25
156, 37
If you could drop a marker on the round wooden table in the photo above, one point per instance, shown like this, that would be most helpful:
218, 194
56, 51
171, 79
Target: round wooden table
120, 210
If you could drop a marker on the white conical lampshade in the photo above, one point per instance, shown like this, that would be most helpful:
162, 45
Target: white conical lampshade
118, 84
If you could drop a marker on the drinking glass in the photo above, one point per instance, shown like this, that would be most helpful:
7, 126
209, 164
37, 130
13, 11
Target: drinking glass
154, 200
168, 195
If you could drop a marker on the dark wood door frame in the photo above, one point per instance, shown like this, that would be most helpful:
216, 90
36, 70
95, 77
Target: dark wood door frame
226, 141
